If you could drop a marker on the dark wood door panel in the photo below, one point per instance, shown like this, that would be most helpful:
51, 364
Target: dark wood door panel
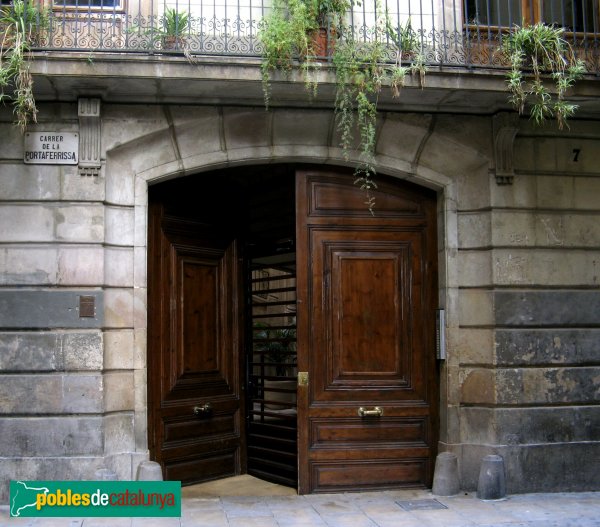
342, 475
386, 433
367, 298
368, 303
195, 408
329, 195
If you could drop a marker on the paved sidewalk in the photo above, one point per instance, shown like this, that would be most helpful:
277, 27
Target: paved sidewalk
410, 508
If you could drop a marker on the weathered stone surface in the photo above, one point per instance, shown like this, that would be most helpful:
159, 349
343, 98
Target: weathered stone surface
46, 351
531, 425
474, 230
516, 347
445, 479
118, 393
586, 192
475, 307
119, 225
119, 436
149, 471
26, 223
521, 194
82, 393
548, 385
528, 386
47, 309
118, 350
556, 154
315, 129
29, 182
528, 468
74, 187
121, 124
478, 386
547, 308
30, 352
51, 436
119, 308
475, 268
535, 229
80, 266
28, 265
51, 265
125, 464
79, 223
140, 271
118, 265
513, 228
572, 268
411, 128
473, 346
31, 394
119, 190
83, 351
197, 130
245, 128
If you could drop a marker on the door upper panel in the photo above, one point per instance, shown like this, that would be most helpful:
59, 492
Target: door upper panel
365, 305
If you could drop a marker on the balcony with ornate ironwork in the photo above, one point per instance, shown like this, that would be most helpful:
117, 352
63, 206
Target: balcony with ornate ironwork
178, 49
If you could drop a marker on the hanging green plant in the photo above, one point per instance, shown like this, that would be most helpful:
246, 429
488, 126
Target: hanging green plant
538, 51
362, 66
21, 24
290, 35
362, 69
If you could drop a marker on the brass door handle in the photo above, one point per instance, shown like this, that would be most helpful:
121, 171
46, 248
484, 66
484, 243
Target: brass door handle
375, 412
203, 411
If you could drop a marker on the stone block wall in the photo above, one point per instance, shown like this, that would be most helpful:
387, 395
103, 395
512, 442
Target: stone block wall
518, 276
529, 343
66, 397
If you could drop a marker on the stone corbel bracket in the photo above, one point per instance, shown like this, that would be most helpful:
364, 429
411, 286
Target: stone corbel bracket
505, 131
88, 112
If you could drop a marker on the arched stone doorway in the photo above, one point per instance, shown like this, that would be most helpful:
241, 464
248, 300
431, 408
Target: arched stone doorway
367, 397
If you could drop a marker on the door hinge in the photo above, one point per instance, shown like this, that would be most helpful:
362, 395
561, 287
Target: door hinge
302, 378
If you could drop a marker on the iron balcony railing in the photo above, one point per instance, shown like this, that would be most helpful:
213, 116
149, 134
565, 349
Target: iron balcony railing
464, 33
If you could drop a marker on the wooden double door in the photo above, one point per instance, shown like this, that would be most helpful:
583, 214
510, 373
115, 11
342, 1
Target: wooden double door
366, 296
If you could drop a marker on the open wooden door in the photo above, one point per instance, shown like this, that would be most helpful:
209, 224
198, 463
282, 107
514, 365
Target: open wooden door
194, 325
367, 293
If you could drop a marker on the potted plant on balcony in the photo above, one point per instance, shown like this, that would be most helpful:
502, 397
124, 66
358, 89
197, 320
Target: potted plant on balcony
536, 52
20, 26
299, 30
175, 28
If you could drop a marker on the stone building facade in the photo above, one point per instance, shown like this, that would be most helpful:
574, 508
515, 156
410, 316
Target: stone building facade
518, 237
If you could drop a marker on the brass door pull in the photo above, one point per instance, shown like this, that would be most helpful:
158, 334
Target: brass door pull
203, 411
375, 412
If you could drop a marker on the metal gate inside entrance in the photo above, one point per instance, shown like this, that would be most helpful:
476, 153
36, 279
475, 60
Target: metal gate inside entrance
272, 451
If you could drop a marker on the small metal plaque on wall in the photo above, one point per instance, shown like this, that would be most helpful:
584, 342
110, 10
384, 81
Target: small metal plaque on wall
87, 307
51, 148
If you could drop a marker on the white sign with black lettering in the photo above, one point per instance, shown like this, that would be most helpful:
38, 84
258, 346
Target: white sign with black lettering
51, 148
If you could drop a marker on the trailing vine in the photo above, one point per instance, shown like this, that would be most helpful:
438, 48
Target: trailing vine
20, 23
542, 48
362, 69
